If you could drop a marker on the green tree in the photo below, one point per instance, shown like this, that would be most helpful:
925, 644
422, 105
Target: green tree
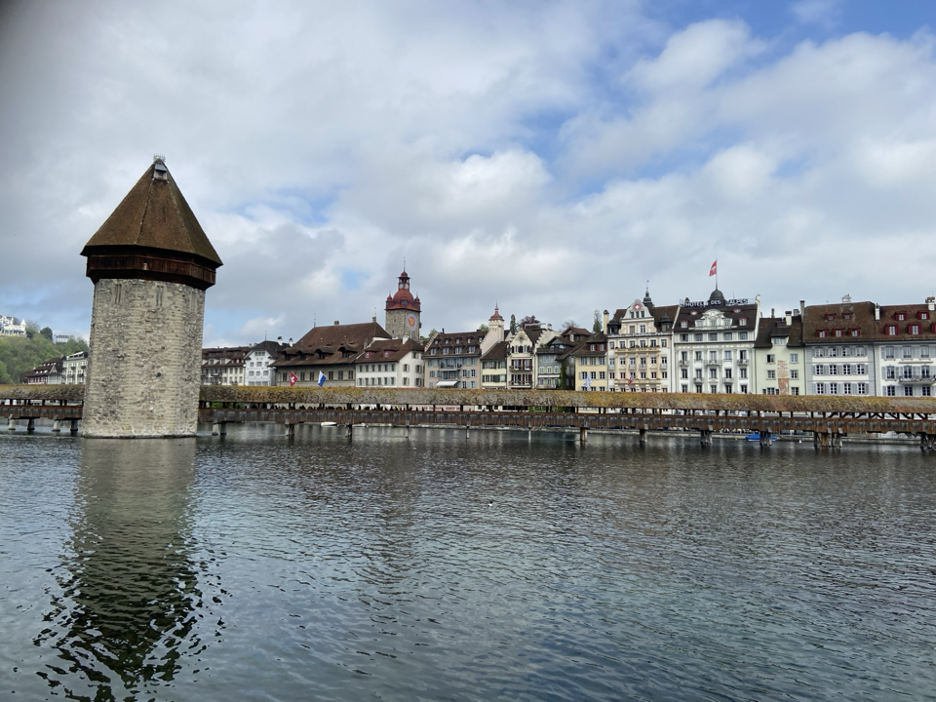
596, 326
513, 324
46, 332
484, 328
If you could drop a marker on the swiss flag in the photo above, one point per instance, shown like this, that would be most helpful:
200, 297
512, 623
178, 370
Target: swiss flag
714, 269
293, 379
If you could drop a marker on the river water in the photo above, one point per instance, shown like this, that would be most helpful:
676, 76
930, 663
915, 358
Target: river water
446, 567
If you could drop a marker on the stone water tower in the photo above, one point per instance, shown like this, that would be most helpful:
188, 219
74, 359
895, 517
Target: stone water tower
151, 263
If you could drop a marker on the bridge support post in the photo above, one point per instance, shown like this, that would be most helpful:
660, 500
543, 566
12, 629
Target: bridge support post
927, 442
643, 436
350, 431
583, 435
31, 425
57, 426
765, 439
11, 426
74, 426
705, 437
219, 429
407, 428
290, 430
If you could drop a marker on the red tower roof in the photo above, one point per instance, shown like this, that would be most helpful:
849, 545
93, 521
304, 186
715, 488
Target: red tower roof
403, 299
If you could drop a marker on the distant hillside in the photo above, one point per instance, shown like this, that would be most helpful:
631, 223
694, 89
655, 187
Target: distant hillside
19, 354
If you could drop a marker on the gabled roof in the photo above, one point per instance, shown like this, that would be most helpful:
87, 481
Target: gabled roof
829, 318
154, 215
398, 349
453, 340
919, 315
338, 344
498, 352
359, 335
273, 348
776, 327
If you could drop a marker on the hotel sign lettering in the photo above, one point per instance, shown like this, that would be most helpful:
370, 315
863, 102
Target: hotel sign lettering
717, 303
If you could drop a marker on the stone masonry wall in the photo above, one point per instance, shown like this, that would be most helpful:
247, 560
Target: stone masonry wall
395, 324
144, 370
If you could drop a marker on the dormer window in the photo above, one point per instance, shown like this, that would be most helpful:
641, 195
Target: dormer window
890, 330
847, 315
914, 329
854, 332
742, 322
830, 317
838, 332
923, 314
900, 316
822, 333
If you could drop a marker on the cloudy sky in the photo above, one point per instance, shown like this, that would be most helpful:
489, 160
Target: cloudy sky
548, 156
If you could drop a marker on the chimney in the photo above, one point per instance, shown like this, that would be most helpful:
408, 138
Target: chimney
604, 322
336, 322
773, 312
877, 312
788, 317
802, 307
931, 303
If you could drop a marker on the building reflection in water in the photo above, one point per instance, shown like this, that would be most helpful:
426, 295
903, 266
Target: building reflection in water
131, 592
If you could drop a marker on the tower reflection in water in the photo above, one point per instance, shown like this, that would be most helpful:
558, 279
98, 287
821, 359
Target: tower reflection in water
132, 595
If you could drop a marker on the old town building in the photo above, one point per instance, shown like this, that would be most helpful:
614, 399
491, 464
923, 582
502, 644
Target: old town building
905, 348
494, 367
640, 346
780, 355
391, 363
713, 345
74, 368
326, 353
839, 340
586, 364
223, 365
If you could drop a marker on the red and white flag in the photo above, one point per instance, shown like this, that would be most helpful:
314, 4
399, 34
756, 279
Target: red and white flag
293, 379
714, 269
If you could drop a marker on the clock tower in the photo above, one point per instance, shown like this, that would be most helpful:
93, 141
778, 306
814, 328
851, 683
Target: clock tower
402, 311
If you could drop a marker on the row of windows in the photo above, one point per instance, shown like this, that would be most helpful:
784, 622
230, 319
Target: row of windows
643, 375
908, 391
452, 362
727, 355
844, 369
836, 351
313, 375
907, 372
452, 374
906, 352
633, 343
842, 388
713, 336
713, 388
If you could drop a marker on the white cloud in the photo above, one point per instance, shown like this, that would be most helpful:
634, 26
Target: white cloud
822, 12
696, 56
549, 156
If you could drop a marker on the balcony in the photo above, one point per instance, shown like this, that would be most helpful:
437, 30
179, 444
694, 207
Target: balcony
713, 362
742, 361
917, 380
684, 363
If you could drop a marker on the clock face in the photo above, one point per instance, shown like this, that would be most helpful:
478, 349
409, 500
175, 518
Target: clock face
411, 320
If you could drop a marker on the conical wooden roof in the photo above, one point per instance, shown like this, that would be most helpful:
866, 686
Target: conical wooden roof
154, 215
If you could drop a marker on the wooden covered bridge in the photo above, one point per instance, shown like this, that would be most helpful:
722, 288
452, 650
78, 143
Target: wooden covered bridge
827, 418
